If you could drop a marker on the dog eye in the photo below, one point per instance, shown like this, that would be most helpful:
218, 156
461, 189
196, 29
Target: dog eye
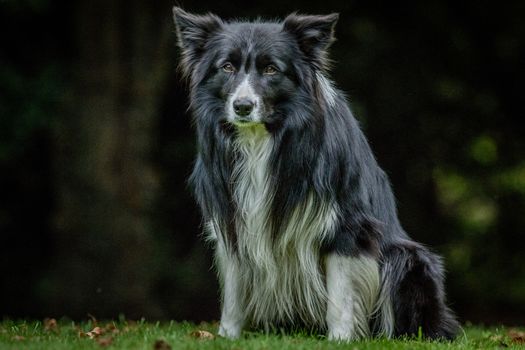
270, 70
228, 68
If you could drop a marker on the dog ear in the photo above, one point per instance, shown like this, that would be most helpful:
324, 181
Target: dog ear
193, 31
314, 34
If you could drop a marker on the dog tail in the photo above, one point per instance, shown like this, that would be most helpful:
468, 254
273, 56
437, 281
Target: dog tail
413, 301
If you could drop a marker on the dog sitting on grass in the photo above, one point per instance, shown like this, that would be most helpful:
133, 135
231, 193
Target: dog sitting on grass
302, 218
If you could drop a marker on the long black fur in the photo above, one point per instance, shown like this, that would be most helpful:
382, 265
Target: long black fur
319, 147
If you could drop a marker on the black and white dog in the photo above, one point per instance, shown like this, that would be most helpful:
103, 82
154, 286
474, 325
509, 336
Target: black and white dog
303, 219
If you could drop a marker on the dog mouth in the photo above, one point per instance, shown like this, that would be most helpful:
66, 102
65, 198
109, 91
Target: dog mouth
271, 122
246, 122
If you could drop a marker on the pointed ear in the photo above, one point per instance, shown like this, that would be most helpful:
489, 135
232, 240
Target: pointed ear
193, 31
314, 34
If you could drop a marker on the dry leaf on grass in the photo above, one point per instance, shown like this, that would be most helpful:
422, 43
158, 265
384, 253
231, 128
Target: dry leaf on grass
50, 325
106, 341
205, 335
161, 345
95, 332
516, 336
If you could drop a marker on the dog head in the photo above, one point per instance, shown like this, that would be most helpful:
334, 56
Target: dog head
247, 73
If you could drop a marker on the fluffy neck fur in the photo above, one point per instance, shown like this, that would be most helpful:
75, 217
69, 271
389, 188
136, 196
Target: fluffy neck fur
280, 276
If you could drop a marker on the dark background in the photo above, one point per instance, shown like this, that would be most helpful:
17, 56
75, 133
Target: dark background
96, 145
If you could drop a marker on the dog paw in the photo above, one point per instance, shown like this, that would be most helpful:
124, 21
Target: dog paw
340, 335
229, 332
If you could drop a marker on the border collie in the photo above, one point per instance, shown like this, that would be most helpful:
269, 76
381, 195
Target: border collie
302, 218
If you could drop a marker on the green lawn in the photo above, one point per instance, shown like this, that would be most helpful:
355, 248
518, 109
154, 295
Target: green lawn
172, 335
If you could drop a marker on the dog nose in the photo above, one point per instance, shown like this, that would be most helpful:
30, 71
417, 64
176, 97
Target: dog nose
243, 107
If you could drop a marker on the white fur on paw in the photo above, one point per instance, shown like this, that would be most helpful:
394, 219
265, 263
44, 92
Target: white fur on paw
229, 331
340, 334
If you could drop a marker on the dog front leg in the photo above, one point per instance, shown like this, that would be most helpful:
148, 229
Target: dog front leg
340, 306
232, 315
353, 287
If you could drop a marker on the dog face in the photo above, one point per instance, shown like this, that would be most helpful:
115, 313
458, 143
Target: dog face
250, 72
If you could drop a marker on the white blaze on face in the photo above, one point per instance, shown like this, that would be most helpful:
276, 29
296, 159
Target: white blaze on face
245, 91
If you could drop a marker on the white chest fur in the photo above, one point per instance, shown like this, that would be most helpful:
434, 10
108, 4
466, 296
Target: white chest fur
280, 279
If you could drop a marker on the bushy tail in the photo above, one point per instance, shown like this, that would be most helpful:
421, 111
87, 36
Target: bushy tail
414, 284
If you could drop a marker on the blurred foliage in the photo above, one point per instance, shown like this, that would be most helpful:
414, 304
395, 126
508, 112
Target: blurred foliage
436, 86
29, 105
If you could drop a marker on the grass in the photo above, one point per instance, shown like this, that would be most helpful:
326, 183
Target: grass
172, 335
